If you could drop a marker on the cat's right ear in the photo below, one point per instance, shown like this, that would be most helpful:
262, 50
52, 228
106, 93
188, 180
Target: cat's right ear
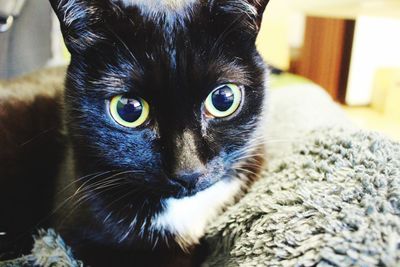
77, 22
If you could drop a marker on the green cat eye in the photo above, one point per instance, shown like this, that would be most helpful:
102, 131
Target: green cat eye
223, 100
129, 112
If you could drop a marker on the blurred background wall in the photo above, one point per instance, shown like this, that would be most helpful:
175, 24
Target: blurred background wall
349, 47
26, 44
340, 44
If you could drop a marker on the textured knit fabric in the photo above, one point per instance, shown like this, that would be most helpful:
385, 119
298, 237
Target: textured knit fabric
333, 201
49, 251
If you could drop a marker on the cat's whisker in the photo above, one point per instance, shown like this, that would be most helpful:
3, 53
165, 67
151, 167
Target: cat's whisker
255, 141
105, 179
120, 198
249, 164
247, 149
64, 202
99, 187
104, 189
255, 145
250, 151
96, 191
250, 161
38, 135
248, 172
266, 138
252, 157
82, 178
245, 170
106, 182
85, 188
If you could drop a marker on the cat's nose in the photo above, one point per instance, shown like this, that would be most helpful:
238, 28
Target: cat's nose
188, 179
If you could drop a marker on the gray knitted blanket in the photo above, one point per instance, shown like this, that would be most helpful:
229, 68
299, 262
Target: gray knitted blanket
335, 201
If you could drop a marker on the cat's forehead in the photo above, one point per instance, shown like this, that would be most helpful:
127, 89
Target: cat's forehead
154, 8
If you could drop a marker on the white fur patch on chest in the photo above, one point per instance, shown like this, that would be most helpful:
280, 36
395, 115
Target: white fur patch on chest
188, 217
155, 8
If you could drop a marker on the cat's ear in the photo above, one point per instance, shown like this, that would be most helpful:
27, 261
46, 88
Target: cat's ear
78, 19
248, 13
259, 6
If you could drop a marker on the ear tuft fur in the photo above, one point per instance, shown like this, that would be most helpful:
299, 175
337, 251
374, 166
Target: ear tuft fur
251, 10
76, 19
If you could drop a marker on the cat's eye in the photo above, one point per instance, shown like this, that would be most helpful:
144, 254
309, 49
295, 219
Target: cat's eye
223, 100
128, 111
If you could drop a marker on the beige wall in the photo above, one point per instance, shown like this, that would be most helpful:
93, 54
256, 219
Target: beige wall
282, 28
283, 24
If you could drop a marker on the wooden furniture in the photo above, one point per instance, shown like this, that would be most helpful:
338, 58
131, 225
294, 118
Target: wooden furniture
325, 56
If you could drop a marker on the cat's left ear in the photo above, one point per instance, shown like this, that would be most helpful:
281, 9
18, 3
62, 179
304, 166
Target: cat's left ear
259, 8
248, 13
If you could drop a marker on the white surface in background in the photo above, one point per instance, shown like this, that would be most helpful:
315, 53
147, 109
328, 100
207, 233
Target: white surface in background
376, 45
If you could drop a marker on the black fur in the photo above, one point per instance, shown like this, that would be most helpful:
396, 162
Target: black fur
173, 65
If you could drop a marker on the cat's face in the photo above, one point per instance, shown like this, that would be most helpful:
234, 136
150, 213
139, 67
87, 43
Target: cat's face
164, 109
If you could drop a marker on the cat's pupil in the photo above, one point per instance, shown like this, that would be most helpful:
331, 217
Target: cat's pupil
223, 98
129, 109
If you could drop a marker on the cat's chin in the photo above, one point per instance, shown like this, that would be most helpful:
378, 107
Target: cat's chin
186, 218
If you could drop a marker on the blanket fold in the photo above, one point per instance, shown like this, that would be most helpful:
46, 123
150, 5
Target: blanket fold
333, 201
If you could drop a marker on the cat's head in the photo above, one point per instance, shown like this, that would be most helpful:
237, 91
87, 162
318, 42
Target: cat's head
164, 104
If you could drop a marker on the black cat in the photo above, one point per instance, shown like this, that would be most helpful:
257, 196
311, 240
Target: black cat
164, 107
